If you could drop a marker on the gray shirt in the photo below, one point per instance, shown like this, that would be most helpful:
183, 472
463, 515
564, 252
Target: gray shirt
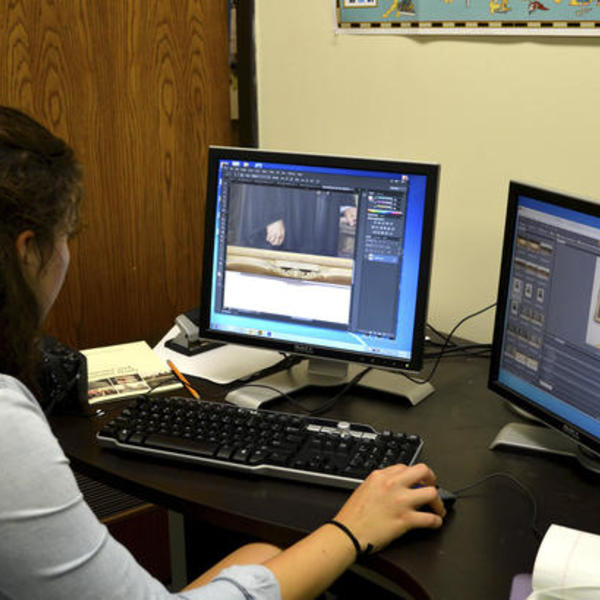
51, 544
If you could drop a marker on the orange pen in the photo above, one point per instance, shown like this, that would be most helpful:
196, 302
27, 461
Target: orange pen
181, 377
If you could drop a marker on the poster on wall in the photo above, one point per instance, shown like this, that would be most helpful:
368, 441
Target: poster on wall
468, 17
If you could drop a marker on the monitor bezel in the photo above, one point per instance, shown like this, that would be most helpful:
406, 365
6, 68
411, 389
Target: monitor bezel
430, 170
557, 422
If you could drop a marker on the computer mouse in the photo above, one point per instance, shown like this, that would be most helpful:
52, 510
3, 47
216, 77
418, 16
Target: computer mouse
447, 497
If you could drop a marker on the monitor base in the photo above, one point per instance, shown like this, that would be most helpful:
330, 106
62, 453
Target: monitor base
545, 440
325, 373
523, 413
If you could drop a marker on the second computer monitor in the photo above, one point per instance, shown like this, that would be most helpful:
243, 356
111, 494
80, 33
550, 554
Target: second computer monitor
318, 255
546, 349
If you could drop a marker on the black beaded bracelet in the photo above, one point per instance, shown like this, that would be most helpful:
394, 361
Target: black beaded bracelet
359, 551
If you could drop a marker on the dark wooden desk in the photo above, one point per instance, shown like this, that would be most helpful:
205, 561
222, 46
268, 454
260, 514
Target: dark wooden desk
486, 540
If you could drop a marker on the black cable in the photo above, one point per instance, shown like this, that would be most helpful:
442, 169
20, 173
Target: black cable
277, 391
429, 343
287, 362
446, 343
438, 333
325, 406
472, 350
451, 346
538, 534
474, 353
333, 401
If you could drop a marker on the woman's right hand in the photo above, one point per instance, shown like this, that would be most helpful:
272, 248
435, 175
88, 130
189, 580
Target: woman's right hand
382, 508
387, 503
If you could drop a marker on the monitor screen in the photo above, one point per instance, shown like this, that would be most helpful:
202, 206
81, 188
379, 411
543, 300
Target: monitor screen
318, 255
546, 347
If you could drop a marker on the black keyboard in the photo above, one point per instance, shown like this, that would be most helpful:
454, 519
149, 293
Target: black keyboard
262, 442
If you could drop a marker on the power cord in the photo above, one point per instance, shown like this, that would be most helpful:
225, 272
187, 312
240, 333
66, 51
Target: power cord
447, 342
325, 406
470, 350
451, 346
442, 336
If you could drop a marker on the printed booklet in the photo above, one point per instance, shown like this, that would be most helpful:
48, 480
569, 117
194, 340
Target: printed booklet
126, 370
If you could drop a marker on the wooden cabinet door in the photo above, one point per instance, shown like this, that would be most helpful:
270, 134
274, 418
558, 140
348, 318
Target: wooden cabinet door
140, 89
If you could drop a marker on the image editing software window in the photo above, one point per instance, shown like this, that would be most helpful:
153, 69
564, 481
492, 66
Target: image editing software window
318, 255
551, 342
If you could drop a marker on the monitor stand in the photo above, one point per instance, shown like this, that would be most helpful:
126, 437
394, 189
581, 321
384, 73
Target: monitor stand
326, 373
546, 440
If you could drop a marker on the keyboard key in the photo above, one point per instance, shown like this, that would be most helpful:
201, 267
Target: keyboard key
225, 452
257, 457
167, 442
241, 455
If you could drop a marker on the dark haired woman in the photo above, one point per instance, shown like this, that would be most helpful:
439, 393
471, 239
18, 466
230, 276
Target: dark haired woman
51, 544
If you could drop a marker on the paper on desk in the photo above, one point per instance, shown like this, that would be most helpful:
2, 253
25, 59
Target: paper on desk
221, 365
567, 558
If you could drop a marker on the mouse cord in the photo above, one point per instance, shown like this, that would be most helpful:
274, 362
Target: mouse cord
538, 534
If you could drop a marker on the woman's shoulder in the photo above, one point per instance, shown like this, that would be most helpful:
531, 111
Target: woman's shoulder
14, 395
31, 455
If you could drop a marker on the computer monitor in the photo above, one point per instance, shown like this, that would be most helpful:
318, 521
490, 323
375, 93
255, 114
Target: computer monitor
326, 257
546, 345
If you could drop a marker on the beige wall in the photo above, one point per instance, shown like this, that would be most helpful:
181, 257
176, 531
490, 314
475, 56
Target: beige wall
488, 110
